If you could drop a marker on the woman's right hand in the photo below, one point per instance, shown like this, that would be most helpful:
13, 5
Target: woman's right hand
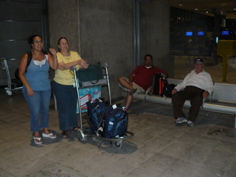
30, 91
53, 51
174, 91
84, 64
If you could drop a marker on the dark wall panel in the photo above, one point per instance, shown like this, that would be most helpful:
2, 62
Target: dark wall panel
18, 20
16, 30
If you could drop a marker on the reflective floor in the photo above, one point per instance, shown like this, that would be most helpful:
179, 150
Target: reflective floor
158, 147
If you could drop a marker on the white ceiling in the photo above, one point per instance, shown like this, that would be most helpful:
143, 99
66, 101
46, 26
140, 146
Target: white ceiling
225, 7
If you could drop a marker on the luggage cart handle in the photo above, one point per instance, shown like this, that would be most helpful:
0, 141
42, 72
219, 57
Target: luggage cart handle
73, 68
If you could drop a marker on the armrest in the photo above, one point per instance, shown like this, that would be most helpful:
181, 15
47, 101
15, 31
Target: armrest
148, 90
211, 95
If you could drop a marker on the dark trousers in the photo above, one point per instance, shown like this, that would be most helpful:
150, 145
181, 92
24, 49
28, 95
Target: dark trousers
192, 93
66, 97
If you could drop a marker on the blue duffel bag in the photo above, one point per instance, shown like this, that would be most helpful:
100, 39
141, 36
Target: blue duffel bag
114, 123
95, 113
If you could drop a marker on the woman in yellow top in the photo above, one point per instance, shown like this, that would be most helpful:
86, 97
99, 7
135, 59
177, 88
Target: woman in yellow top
65, 92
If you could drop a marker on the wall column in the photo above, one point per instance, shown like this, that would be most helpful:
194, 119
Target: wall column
155, 33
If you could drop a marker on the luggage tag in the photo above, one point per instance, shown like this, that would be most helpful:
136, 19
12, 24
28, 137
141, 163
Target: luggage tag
84, 99
114, 106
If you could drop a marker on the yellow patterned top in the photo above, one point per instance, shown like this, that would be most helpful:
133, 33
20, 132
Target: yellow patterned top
66, 77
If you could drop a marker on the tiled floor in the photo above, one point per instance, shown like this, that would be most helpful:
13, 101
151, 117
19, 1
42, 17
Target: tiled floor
157, 149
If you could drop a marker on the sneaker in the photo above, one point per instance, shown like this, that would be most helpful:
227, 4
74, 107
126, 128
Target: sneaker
181, 121
190, 123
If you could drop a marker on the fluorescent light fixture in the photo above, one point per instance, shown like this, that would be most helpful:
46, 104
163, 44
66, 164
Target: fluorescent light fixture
188, 33
200, 33
225, 33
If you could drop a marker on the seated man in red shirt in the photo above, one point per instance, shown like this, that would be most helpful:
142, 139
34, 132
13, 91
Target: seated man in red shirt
140, 79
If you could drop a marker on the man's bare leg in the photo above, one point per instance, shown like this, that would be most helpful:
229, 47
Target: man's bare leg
124, 83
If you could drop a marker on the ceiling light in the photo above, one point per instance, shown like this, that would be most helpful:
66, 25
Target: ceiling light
196, 9
180, 5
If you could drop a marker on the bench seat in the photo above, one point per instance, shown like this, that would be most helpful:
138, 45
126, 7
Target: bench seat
227, 108
222, 100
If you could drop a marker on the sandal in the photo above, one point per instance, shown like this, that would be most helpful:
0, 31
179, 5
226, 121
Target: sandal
50, 135
132, 91
64, 134
37, 140
76, 128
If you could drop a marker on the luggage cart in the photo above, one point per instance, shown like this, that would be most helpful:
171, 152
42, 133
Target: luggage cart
116, 141
10, 82
102, 82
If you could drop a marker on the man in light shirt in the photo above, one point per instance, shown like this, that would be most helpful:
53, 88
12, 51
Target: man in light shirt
196, 86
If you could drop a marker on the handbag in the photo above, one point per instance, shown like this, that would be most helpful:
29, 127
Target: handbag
93, 73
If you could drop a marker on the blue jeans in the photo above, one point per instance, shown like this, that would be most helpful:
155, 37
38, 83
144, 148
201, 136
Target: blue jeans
66, 97
39, 108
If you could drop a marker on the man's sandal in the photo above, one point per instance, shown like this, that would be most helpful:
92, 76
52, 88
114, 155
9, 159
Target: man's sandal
132, 91
37, 140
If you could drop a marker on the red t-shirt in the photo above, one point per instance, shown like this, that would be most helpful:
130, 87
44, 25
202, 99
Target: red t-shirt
144, 76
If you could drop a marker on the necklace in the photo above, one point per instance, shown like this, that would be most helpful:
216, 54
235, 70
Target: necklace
67, 56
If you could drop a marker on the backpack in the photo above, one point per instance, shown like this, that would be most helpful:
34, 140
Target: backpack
161, 87
158, 84
29, 58
114, 123
95, 113
28, 62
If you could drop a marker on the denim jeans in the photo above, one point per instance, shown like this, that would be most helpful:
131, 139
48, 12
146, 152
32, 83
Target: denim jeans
39, 108
66, 98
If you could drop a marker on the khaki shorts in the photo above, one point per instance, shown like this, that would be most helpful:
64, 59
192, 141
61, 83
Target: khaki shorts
135, 86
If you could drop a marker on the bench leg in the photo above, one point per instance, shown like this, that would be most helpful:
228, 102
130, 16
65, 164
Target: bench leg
55, 103
235, 122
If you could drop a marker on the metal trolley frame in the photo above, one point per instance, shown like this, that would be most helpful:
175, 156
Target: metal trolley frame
9, 89
103, 82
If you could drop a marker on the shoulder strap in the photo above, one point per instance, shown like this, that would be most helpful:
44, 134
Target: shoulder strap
29, 53
29, 58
